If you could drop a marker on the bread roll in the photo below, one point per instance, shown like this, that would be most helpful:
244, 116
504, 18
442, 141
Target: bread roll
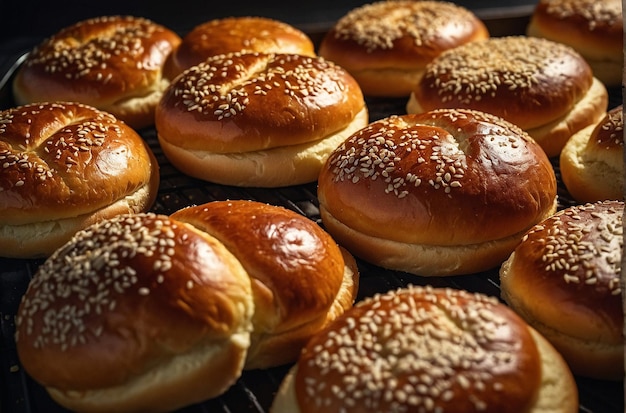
113, 63
386, 45
256, 119
564, 280
423, 349
146, 312
441, 193
136, 313
237, 34
544, 87
592, 161
64, 166
594, 28
301, 279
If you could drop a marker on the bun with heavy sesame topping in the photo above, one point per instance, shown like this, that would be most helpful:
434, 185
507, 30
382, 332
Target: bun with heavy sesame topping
258, 119
423, 349
136, 313
441, 193
544, 87
564, 280
114, 63
386, 45
237, 34
301, 279
592, 27
64, 166
592, 161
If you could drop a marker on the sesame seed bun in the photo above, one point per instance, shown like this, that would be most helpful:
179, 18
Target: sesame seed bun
113, 63
592, 161
386, 45
594, 28
301, 279
441, 193
424, 349
255, 119
236, 34
564, 280
64, 166
136, 313
544, 87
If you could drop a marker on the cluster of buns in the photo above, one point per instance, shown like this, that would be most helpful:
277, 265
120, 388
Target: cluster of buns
440, 193
145, 312
64, 166
423, 349
386, 45
564, 279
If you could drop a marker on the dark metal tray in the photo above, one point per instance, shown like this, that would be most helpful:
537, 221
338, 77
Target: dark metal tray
255, 390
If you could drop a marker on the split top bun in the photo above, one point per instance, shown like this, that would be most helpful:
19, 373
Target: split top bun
594, 28
258, 119
422, 349
64, 166
146, 312
544, 87
237, 34
113, 63
441, 193
386, 45
592, 161
564, 279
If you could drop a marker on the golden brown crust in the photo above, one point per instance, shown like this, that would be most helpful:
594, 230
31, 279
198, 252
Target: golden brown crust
238, 105
422, 347
397, 37
113, 63
237, 34
298, 272
447, 178
527, 81
564, 279
62, 164
592, 161
593, 28
122, 303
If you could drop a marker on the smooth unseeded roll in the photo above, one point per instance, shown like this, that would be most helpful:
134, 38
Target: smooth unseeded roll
301, 278
564, 280
137, 313
386, 45
441, 193
237, 34
428, 349
257, 119
114, 63
594, 28
544, 87
64, 166
592, 161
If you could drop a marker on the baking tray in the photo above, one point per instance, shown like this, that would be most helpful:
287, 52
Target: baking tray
255, 390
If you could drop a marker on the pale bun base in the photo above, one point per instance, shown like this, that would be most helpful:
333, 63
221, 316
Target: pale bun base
421, 259
553, 136
182, 380
558, 392
278, 167
590, 176
387, 82
270, 350
41, 239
